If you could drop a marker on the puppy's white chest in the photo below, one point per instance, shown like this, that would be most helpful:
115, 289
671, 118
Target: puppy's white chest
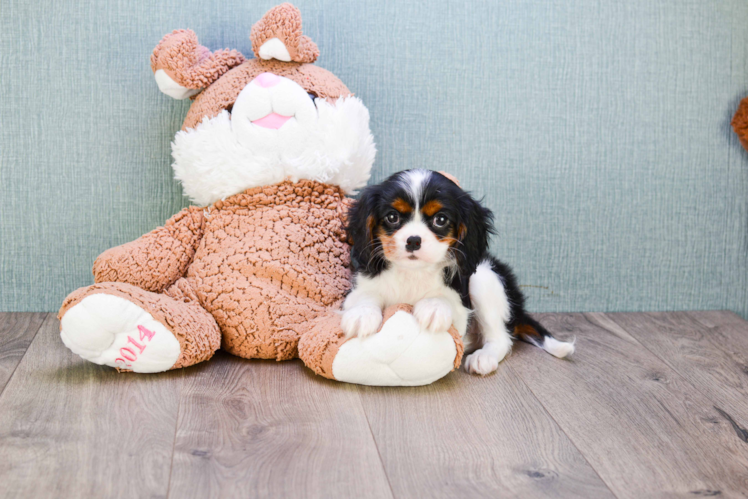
397, 286
406, 286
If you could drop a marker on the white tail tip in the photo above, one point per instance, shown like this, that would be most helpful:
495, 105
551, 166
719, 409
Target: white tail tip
558, 348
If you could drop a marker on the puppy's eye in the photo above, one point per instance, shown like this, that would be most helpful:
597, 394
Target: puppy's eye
440, 220
392, 218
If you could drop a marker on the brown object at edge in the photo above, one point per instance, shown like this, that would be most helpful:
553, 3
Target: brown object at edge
740, 122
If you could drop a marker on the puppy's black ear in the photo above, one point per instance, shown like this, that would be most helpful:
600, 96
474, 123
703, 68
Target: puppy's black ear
360, 228
473, 231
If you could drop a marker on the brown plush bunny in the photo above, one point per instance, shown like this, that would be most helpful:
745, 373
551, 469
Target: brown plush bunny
269, 149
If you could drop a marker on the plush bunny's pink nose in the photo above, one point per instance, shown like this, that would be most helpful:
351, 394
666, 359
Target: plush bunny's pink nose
267, 80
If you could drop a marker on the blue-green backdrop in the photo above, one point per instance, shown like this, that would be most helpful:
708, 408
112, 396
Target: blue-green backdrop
598, 132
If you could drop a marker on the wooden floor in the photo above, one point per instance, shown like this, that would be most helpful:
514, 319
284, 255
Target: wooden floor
652, 404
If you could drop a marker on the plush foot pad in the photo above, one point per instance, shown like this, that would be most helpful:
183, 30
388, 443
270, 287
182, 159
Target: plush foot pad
110, 330
401, 353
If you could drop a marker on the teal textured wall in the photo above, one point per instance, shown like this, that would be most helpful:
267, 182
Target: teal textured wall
597, 131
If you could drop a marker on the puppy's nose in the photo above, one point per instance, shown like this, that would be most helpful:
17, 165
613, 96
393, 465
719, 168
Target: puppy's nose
267, 80
413, 243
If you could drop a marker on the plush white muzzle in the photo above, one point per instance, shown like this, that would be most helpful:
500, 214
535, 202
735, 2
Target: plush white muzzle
275, 132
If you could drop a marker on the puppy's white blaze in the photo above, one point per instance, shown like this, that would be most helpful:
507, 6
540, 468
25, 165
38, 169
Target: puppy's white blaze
413, 182
558, 348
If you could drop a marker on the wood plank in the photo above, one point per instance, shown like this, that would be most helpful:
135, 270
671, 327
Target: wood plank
644, 429
266, 429
17, 330
707, 348
467, 436
69, 428
715, 318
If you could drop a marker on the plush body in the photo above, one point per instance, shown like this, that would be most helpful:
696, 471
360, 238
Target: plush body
269, 150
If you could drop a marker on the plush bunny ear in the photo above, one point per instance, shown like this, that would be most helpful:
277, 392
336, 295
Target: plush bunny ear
278, 36
183, 67
450, 177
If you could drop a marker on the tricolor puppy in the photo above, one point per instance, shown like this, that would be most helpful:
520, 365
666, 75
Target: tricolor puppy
421, 240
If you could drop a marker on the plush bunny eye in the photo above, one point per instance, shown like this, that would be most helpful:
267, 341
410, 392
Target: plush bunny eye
392, 218
440, 220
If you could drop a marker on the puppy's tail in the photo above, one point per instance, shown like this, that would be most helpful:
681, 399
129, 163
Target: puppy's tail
532, 332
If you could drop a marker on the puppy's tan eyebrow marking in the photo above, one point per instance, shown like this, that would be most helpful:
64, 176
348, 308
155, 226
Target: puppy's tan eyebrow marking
431, 208
402, 206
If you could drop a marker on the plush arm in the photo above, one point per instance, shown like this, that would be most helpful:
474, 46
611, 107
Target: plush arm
157, 259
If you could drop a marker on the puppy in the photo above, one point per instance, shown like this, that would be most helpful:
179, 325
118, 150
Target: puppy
419, 239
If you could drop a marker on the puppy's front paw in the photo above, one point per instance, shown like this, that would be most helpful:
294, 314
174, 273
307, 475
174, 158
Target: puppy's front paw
361, 321
486, 360
434, 315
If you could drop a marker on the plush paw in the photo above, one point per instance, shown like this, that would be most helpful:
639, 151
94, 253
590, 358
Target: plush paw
361, 321
486, 360
434, 315
110, 330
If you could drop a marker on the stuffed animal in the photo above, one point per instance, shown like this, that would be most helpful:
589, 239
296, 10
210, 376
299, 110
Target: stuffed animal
740, 122
269, 149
